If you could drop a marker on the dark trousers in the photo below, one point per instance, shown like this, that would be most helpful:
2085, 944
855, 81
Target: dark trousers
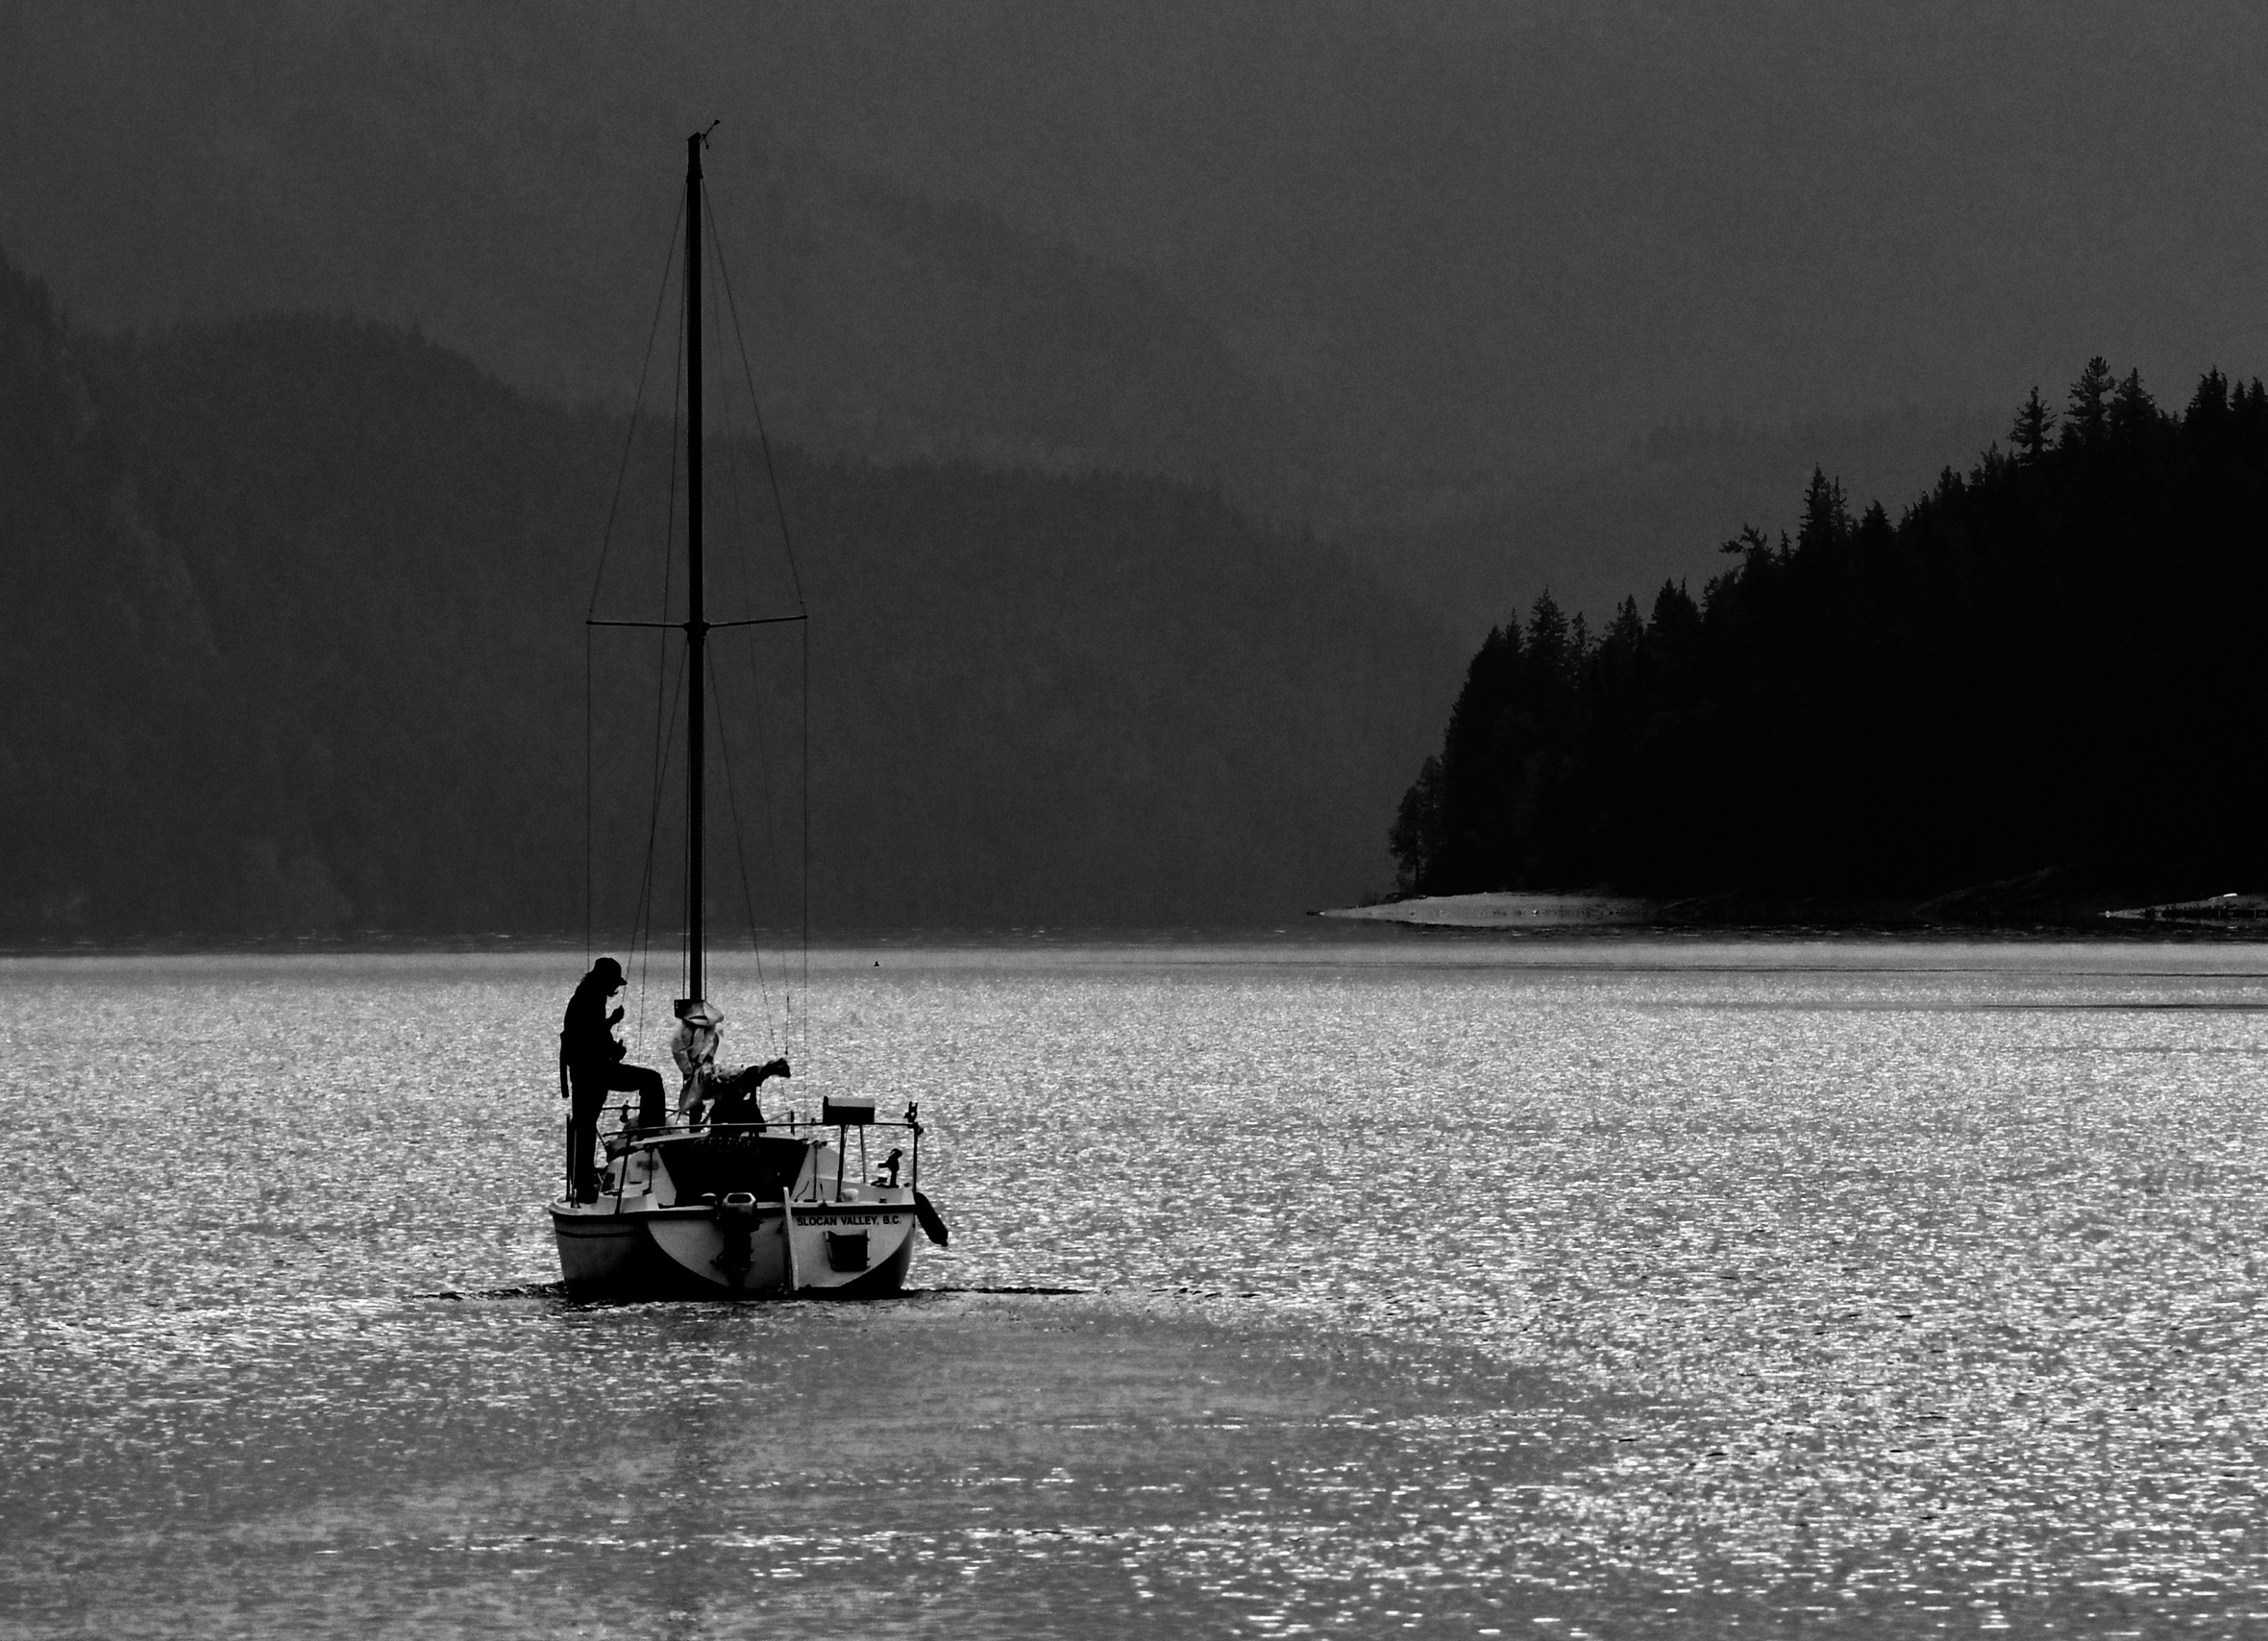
734, 1098
591, 1085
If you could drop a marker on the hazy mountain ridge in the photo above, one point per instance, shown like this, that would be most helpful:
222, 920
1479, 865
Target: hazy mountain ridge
1478, 235
299, 647
475, 176
1414, 279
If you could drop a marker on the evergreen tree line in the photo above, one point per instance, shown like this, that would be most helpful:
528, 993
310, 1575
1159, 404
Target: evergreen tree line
2050, 664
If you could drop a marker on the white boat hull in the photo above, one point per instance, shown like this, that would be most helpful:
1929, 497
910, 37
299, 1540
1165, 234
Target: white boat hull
839, 1251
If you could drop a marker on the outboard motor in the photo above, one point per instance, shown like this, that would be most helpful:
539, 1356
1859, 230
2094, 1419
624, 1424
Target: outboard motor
736, 1218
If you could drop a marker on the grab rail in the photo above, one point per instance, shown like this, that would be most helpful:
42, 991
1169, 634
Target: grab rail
630, 1134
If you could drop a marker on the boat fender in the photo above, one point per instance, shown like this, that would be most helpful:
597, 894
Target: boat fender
736, 1218
932, 1221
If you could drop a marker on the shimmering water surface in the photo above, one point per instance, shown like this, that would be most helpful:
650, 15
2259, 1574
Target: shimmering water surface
1457, 1287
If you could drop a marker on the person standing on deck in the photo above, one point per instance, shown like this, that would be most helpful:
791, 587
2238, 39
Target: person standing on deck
591, 1067
693, 1045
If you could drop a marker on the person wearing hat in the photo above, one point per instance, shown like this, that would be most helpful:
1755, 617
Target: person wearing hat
591, 1067
693, 1045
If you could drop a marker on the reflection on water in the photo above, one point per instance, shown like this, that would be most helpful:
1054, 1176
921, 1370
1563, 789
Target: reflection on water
1608, 1286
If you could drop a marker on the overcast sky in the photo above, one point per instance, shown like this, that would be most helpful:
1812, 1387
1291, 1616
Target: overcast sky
1490, 233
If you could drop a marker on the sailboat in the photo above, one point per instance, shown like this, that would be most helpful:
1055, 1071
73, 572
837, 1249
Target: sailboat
739, 1210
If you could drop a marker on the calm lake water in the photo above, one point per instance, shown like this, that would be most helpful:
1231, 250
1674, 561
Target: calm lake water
1448, 1287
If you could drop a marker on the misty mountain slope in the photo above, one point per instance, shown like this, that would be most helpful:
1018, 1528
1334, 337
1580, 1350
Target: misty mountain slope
507, 182
1394, 271
1481, 233
301, 650
1099, 698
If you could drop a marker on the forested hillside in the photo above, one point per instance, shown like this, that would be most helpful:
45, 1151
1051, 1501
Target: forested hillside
294, 643
2050, 664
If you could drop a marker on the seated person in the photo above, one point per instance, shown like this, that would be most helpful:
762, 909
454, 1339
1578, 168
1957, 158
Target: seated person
734, 1098
727, 1097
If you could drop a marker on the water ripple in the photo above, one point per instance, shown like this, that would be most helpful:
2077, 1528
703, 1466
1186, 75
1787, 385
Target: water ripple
1608, 1287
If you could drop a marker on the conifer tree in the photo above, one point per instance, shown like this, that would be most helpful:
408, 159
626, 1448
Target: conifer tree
1549, 652
1626, 631
2208, 405
1827, 514
1754, 546
2034, 424
1676, 620
2133, 413
1418, 829
2090, 396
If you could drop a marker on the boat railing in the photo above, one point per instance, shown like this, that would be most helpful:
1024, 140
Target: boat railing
632, 1130
792, 1125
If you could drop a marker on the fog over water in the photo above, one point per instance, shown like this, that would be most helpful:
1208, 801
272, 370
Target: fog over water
1442, 1285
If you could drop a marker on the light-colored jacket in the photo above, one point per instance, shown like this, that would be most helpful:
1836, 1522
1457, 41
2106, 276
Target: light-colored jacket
693, 1045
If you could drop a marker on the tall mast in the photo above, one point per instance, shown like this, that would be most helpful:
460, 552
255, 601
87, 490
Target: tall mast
696, 624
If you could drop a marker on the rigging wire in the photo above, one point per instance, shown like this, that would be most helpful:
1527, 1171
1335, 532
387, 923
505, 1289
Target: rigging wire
740, 852
748, 589
690, 236
662, 760
756, 408
804, 647
631, 434
796, 579
661, 723
629, 439
587, 738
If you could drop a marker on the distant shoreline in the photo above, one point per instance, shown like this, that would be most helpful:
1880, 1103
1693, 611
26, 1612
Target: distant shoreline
2032, 904
1506, 911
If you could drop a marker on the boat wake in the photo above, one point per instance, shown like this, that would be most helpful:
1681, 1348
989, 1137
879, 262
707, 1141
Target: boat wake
1037, 1290
558, 1290
518, 1290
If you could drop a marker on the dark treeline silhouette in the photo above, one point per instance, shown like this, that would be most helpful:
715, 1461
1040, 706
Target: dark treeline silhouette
2051, 665
292, 642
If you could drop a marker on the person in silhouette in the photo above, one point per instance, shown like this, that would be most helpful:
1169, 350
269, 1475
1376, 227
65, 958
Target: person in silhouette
731, 1097
591, 1067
